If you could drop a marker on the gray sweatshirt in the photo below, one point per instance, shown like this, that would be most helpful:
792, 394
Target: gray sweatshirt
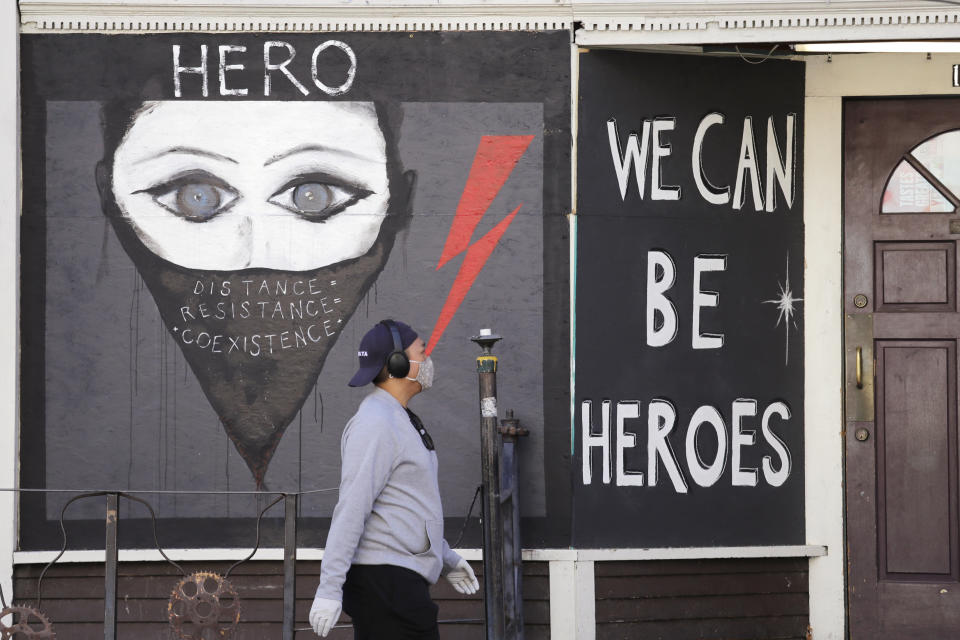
389, 509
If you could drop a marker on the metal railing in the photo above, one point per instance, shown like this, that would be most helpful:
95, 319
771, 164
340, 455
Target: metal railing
204, 604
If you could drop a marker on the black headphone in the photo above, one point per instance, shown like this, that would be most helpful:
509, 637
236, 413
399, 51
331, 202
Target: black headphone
398, 365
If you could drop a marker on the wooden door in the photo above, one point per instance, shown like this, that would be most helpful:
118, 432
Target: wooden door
901, 225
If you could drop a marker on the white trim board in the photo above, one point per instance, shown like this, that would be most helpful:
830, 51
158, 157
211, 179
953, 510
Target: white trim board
9, 287
615, 24
704, 553
572, 600
815, 26
823, 351
529, 555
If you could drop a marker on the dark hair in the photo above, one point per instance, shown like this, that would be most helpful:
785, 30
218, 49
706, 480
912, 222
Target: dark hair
383, 376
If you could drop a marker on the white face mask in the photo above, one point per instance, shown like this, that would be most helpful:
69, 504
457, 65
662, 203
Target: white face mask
424, 373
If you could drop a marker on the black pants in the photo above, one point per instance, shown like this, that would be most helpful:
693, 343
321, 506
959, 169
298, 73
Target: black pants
389, 603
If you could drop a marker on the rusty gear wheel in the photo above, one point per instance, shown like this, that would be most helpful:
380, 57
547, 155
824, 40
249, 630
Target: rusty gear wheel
26, 623
204, 606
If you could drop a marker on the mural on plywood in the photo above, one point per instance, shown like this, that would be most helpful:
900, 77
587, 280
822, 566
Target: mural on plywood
264, 201
690, 285
257, 228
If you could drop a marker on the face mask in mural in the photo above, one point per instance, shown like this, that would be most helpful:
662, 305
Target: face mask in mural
258, 227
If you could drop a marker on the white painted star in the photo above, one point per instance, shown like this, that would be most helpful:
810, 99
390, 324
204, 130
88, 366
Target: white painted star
784, 304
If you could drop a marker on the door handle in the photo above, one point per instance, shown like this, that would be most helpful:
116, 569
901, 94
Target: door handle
859, 367
858, 353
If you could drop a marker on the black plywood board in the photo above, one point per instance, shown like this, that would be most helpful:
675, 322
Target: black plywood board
746, 255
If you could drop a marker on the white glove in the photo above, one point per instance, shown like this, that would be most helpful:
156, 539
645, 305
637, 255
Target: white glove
463, 579
323, 615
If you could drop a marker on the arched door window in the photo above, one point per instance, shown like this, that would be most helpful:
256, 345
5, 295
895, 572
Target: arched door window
927, 178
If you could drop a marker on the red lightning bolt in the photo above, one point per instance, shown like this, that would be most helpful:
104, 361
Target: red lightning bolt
495, 159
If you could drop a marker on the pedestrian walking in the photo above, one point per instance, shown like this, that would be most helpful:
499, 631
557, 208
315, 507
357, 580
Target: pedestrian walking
386, 545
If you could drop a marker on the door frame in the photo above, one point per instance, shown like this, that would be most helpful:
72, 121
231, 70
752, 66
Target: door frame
829, 81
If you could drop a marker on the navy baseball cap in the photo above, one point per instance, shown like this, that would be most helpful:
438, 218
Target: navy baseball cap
375, 347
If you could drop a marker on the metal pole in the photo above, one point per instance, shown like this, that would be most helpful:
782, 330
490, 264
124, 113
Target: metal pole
110, 571
490, 462
511, 431
289, 565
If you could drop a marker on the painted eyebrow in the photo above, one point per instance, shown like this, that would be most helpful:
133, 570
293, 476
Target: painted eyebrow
190, 151
316, 147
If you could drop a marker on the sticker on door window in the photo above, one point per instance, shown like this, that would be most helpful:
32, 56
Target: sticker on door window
927, 178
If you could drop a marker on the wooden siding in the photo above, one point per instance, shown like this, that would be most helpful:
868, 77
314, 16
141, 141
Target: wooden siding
73, 599
747, 599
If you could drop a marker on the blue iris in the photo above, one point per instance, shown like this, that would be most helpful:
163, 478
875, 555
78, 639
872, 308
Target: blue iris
198, 200
312, 197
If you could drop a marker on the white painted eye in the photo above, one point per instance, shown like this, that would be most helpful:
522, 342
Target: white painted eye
197, 196
316, 197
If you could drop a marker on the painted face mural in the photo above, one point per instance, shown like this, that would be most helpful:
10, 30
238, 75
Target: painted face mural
210, 224
221, 186
258, 227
